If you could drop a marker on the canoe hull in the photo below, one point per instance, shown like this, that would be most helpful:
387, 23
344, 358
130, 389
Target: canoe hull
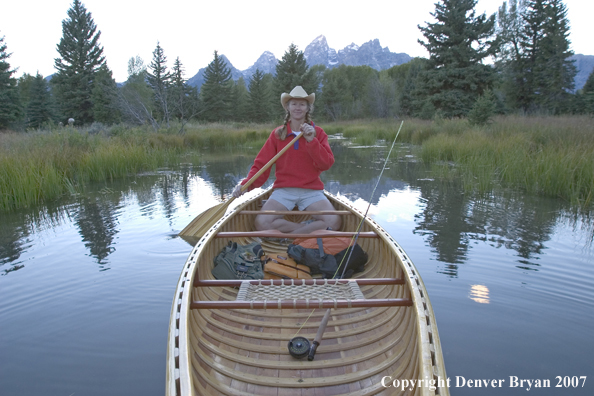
244, 351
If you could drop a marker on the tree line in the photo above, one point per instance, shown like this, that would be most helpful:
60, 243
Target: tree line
516, 60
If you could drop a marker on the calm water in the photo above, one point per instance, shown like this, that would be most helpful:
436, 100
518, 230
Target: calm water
86, 284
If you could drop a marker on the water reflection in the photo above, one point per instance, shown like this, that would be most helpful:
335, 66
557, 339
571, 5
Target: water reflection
449, 220
479, 294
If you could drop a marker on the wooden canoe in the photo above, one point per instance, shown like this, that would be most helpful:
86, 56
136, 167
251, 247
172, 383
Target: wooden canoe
220, 346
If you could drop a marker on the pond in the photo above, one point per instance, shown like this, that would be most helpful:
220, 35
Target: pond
86, 284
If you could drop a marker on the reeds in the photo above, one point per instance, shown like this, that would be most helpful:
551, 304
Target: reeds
551, 156
36, 167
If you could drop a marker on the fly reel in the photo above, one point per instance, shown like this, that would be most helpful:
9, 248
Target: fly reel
299, 347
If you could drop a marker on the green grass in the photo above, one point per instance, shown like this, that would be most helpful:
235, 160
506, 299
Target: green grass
552, 156
40, 166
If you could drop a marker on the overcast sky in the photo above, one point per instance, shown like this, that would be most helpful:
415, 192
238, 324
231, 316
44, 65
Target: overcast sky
241, 30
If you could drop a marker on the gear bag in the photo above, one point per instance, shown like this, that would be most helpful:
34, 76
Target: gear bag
239, 262
325, 260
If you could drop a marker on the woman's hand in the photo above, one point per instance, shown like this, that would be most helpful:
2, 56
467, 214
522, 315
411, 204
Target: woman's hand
309, 132
237, 191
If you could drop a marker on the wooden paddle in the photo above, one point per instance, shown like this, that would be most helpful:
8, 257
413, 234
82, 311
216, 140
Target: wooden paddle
205, 220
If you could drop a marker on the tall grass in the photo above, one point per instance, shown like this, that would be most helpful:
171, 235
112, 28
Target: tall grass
39, 166
552, 156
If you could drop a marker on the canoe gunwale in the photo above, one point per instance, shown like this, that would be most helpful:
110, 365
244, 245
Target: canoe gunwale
179, 362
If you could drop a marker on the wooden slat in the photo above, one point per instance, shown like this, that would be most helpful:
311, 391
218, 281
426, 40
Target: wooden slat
295, 212
276, 234
301, 304
298, 282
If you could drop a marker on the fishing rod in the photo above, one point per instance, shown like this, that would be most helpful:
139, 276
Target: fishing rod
299, 347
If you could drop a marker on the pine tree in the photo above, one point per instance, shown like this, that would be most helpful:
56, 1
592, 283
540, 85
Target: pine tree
216, 90
239, 99
558, 72
259, 98
39, 108
81, 56
159, 79
10, 108
104, 97
292, 70
509, 60
457, 43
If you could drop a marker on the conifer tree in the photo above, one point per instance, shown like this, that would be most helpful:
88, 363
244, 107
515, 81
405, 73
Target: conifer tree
457, 43
216, 90
558, 72
239, 99
39, 107
259, 98
10, 108
104, 97
292, 70
183, 98
81, 56
159, 79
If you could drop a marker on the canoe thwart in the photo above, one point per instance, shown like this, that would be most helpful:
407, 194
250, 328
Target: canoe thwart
276, 234
295, 212
302, 304
237, 283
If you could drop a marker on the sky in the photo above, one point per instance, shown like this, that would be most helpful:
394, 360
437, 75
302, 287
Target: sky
241, 30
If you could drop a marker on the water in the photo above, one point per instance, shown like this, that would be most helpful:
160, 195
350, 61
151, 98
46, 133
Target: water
86, 284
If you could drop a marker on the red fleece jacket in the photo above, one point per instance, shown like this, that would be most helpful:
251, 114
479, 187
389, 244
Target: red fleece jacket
295, 168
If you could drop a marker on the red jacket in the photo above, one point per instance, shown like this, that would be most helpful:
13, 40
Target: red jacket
295, 168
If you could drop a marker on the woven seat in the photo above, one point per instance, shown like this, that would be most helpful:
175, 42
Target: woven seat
319, 292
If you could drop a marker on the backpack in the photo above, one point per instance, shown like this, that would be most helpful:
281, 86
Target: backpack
325, 260
239, 262
280, 267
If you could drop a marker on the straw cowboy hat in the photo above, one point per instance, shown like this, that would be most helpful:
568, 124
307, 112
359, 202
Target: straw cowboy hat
297, 93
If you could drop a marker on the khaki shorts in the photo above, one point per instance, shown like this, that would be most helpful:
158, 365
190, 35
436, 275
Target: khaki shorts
300, 197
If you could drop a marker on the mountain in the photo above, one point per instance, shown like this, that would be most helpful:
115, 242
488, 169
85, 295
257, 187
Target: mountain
266, 63
319, 53
369, 54
584, 65
198, 79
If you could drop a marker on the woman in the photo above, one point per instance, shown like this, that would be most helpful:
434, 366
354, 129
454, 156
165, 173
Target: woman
298, 170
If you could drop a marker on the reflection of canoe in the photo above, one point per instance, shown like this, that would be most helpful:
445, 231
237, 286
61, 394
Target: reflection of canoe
218, 346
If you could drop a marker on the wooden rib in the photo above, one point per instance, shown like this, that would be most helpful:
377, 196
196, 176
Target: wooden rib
276, 234
379, 341
315, 381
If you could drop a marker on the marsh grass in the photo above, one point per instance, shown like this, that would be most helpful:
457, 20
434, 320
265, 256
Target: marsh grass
552, 156
43, 165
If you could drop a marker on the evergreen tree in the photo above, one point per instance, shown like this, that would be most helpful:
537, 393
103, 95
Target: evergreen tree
336, 98
483, 110
104, 97
10, 108
159, 79
81, 56
292, 70
39, 108
259, 98
558, 72
508, 62
184, 101
216, 90
239, 99
457, 43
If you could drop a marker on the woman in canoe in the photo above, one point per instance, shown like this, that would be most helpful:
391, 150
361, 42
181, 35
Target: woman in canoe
298, 170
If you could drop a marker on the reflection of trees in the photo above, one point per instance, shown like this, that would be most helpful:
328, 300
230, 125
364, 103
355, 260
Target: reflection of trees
451, 220
97, 223
17, 228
